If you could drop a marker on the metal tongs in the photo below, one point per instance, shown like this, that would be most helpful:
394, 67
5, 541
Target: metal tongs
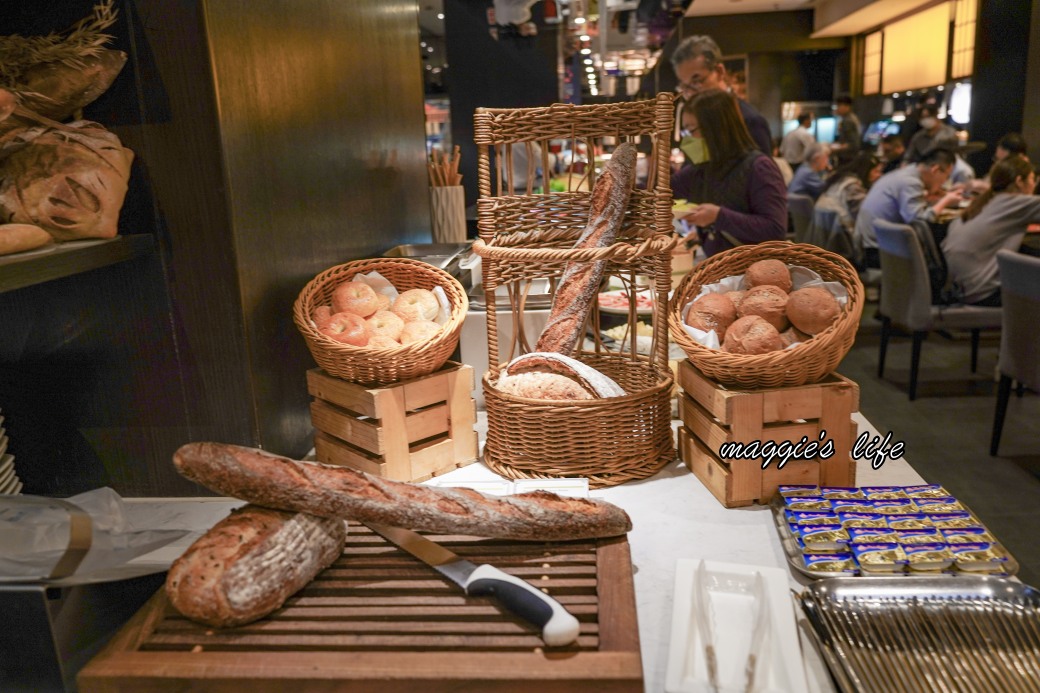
759, 621
705, 624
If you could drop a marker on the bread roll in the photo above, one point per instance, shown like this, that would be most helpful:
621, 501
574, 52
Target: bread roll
17, 238
579, 283
768, 272
752, 335
736, 297
547, 375
812, 309
712, 312
278, 482
768, 302
793, 335
249, 563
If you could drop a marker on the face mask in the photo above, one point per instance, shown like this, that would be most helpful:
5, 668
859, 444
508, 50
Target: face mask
694, 148
928, 123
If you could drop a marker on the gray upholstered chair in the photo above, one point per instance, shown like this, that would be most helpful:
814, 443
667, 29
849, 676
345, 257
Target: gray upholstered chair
1020, 336
906, 299
800, 207
831, 234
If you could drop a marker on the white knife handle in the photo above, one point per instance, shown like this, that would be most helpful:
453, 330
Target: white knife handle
525, 600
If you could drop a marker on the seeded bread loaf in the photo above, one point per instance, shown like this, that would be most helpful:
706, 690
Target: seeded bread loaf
250, 562
579, 284
278, 482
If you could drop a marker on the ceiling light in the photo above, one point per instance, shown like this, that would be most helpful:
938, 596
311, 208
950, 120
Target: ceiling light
588, 61
584, 37
429, 49
895, 96
440, 15
589, 69
423, 44
909, 93
429, 67
940, 87
586, 51
579, 20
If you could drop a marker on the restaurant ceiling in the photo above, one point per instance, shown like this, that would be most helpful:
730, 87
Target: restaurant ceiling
706, 8
850, 17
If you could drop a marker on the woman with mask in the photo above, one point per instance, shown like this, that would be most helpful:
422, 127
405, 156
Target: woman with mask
739, 191
995, 220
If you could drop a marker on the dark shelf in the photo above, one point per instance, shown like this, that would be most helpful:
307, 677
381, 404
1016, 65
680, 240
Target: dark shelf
33, 267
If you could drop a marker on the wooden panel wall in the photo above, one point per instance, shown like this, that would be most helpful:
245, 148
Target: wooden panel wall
274, 139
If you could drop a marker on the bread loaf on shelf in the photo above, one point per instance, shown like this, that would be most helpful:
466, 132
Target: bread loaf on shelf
250, 562
579, 284
278, 482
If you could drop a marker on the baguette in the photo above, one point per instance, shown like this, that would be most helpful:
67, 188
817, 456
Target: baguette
278, 482
250, 562
17, 238
579, 283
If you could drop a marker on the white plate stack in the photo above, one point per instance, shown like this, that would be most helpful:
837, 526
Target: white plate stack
9, 482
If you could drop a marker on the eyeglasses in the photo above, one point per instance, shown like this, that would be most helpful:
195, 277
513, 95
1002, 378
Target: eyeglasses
686, 132
695, 84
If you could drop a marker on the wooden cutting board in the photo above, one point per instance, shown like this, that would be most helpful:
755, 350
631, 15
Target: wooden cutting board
380, 620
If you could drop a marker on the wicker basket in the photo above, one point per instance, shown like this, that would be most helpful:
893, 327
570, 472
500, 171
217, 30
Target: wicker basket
381, 366
527, 238
810, 361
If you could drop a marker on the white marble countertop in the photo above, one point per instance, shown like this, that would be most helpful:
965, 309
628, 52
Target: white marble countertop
673, 515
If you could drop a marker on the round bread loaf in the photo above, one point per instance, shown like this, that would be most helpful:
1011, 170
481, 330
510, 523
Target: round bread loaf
527, 376
771, 272
712, 312
768, 302
791, 335
752, 335
735, 297
812, 309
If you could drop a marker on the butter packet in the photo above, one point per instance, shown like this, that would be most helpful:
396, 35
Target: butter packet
801, 491
842, 493
894, 507
966, 535
875, 520
953, 520
919, 536
979, 557
819, 549
810, 517
885, 557
832, 565
928, 557
823, 537
915, 521
852, 506
884, 493
938, 505
926, 491
872, 535
807, 503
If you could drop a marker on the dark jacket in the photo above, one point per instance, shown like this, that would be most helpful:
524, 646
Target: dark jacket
757, 126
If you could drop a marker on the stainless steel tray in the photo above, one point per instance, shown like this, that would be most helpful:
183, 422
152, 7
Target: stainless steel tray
972, 633
794, 555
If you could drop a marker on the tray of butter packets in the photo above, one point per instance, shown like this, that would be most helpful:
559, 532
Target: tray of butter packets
881, 531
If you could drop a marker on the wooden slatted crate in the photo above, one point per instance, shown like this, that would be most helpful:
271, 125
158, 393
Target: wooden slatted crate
380, 620
408, 431
713, 415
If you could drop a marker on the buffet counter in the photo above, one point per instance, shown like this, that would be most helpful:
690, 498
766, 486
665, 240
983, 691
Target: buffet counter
674, 517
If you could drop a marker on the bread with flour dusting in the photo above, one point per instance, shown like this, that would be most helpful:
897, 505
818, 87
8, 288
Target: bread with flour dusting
250, 562
547, 375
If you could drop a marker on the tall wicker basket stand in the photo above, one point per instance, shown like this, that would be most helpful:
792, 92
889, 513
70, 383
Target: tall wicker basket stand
526, 237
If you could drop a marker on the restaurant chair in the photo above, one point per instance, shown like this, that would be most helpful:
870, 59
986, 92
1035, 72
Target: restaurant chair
800, 208
1020, 335
906, 299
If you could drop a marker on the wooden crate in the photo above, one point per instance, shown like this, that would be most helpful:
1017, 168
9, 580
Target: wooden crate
380, 620
713, 415
408, 431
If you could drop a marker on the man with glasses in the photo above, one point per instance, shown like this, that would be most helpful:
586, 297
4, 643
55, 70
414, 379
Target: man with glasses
697, 62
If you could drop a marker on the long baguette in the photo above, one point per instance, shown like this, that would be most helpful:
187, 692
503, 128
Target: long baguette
279, 482
579, 283
250, 562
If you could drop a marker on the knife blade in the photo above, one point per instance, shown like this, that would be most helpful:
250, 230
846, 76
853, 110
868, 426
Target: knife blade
559, 627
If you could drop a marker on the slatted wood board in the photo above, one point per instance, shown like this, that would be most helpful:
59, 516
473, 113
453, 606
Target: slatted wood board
380, 620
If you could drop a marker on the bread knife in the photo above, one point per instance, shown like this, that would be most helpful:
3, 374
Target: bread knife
523, 599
